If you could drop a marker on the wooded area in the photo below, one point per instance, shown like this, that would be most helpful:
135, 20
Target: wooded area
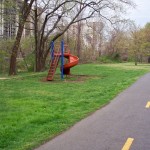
94, 31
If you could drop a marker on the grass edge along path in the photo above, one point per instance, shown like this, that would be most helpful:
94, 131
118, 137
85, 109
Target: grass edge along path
32, 111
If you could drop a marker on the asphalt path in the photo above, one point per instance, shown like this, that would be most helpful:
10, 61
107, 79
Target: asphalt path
110, 128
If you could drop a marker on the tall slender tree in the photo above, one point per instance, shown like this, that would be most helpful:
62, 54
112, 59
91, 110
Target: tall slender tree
25, 8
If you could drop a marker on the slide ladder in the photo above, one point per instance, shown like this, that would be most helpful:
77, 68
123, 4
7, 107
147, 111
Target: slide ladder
53, 66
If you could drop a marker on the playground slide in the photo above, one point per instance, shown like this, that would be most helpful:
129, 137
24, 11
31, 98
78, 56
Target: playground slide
72, 61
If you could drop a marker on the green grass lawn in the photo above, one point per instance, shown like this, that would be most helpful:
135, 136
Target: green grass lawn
33, 111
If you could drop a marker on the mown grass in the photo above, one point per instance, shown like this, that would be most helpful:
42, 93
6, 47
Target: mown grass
32, 111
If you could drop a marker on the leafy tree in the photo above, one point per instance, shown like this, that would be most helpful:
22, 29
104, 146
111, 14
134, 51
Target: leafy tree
140, 42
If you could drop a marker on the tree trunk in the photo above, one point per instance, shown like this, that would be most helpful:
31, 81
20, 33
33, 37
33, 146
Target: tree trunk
136, 58
36, 42
12, 68
79, 40
24, 12
40, 64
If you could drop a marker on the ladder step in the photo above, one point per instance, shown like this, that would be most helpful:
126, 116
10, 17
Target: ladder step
51, 71
53, 66
49, 79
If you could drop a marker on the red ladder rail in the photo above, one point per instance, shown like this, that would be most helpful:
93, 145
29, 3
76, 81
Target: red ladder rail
53, 66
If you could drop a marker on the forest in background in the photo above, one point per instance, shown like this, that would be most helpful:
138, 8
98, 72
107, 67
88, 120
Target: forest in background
91, 33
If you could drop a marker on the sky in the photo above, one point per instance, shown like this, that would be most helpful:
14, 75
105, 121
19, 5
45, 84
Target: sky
141, 15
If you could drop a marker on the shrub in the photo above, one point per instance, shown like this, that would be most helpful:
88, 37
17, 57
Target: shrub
115, 58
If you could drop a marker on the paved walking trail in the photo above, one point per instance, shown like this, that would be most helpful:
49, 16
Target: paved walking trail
126, 118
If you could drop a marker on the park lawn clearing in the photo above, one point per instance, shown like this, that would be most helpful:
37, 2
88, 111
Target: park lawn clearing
33, 111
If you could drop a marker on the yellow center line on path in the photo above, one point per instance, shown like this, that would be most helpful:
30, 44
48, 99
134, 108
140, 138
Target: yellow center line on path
128, 144
147, 105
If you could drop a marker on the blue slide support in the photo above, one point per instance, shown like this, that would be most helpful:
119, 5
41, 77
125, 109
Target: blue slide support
52, 50
62, 59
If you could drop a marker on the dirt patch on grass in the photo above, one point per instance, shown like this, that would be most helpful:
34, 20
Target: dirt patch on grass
80, 78
4, 78
71, 78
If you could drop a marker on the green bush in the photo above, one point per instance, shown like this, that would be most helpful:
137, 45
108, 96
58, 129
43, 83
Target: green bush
5, 48
30, 60
25, 59
3, 61
114, 58
108, 59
